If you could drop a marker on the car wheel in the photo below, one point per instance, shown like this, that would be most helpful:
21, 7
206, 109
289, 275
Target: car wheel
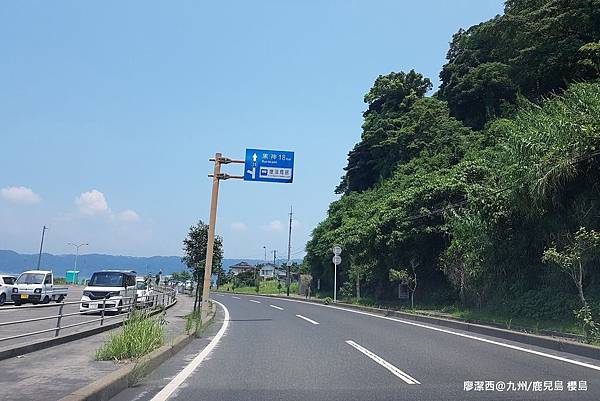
60, 299
17, 303
120, 309
46, 300
2, 299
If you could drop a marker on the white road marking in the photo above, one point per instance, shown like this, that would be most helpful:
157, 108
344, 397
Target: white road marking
168, 390
236, 297
255, 301
395, 371
307, 319
471, 337
276, 307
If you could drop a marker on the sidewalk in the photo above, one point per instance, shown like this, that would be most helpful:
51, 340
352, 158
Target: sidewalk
60, 370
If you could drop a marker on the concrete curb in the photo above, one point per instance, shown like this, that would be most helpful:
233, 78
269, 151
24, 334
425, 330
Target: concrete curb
47, 343
562, 345
110, 385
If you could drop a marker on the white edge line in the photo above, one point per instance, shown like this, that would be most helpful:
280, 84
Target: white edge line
394, 370
189, 369
485, 340
276, 307
307, 319
255, 301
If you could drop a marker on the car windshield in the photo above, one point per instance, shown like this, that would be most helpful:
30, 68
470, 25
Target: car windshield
106, 279
31, 278
8, 280
140, 285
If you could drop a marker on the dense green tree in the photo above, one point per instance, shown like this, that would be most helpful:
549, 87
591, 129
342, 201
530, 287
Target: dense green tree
194, 248
534, 48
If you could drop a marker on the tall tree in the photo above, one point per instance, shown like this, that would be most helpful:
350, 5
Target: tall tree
194, 248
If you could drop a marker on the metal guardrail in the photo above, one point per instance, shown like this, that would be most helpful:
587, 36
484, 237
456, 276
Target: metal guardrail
162, 297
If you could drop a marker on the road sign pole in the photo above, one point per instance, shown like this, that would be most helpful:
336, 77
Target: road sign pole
335, 283
211, 239
337, 259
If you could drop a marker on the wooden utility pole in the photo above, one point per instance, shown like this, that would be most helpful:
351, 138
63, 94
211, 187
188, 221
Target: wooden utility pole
216, 176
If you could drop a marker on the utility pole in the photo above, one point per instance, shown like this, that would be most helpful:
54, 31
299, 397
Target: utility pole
274, 257
265, 248
41, 247
216, 176
289, 262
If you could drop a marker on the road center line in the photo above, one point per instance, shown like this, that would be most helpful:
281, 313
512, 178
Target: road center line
394, 370
255, 301
236, 297
189, 369
307, 319
276, 307
471, 337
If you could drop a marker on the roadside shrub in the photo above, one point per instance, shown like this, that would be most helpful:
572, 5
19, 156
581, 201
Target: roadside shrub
546, 304
347, 290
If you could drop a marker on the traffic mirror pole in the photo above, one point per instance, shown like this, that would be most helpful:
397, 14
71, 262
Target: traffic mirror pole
216, 176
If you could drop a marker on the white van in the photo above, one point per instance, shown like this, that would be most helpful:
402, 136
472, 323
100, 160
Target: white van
112, 290
143, 292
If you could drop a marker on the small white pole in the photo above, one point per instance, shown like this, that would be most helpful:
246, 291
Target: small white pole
335, 283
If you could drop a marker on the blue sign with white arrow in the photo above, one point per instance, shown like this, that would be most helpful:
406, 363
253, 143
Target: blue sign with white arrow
269, 165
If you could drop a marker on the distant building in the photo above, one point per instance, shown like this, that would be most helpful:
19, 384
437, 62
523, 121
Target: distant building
241, 267
269, 270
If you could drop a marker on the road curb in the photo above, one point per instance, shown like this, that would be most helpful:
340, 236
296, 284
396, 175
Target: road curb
562, 345
112, 384
52, 342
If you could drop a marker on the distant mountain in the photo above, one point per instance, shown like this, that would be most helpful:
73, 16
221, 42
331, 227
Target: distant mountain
13, 262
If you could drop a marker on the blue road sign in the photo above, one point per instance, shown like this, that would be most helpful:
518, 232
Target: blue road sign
269, 165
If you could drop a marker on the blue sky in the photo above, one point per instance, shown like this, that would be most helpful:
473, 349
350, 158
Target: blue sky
109, 111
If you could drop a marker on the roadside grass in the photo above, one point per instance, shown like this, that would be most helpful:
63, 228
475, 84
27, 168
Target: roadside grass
483, 316
139, 336
193, 323
268, 287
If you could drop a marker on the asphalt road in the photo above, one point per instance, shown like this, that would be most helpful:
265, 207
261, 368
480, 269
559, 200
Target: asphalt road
276, 349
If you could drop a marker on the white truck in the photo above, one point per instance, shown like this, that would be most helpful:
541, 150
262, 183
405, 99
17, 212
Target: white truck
37, 286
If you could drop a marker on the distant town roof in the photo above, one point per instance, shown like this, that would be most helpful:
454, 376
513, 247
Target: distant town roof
242, 265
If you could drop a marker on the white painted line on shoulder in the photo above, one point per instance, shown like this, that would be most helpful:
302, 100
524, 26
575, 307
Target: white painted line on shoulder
276, 307
394, 370
255, 301
168, 390
236, 297
307, 319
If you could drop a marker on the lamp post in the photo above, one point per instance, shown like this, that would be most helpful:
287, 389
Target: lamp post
77, 246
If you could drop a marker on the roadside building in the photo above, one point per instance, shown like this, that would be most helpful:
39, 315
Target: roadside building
241, 267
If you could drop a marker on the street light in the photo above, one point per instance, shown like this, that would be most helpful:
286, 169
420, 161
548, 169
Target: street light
77, 246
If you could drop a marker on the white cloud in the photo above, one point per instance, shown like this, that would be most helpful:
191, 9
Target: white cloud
92, 203
128, 216
275, 225
296, 224
238, 226
21, 195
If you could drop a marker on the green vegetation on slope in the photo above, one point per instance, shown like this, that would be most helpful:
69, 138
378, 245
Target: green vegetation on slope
461, 194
